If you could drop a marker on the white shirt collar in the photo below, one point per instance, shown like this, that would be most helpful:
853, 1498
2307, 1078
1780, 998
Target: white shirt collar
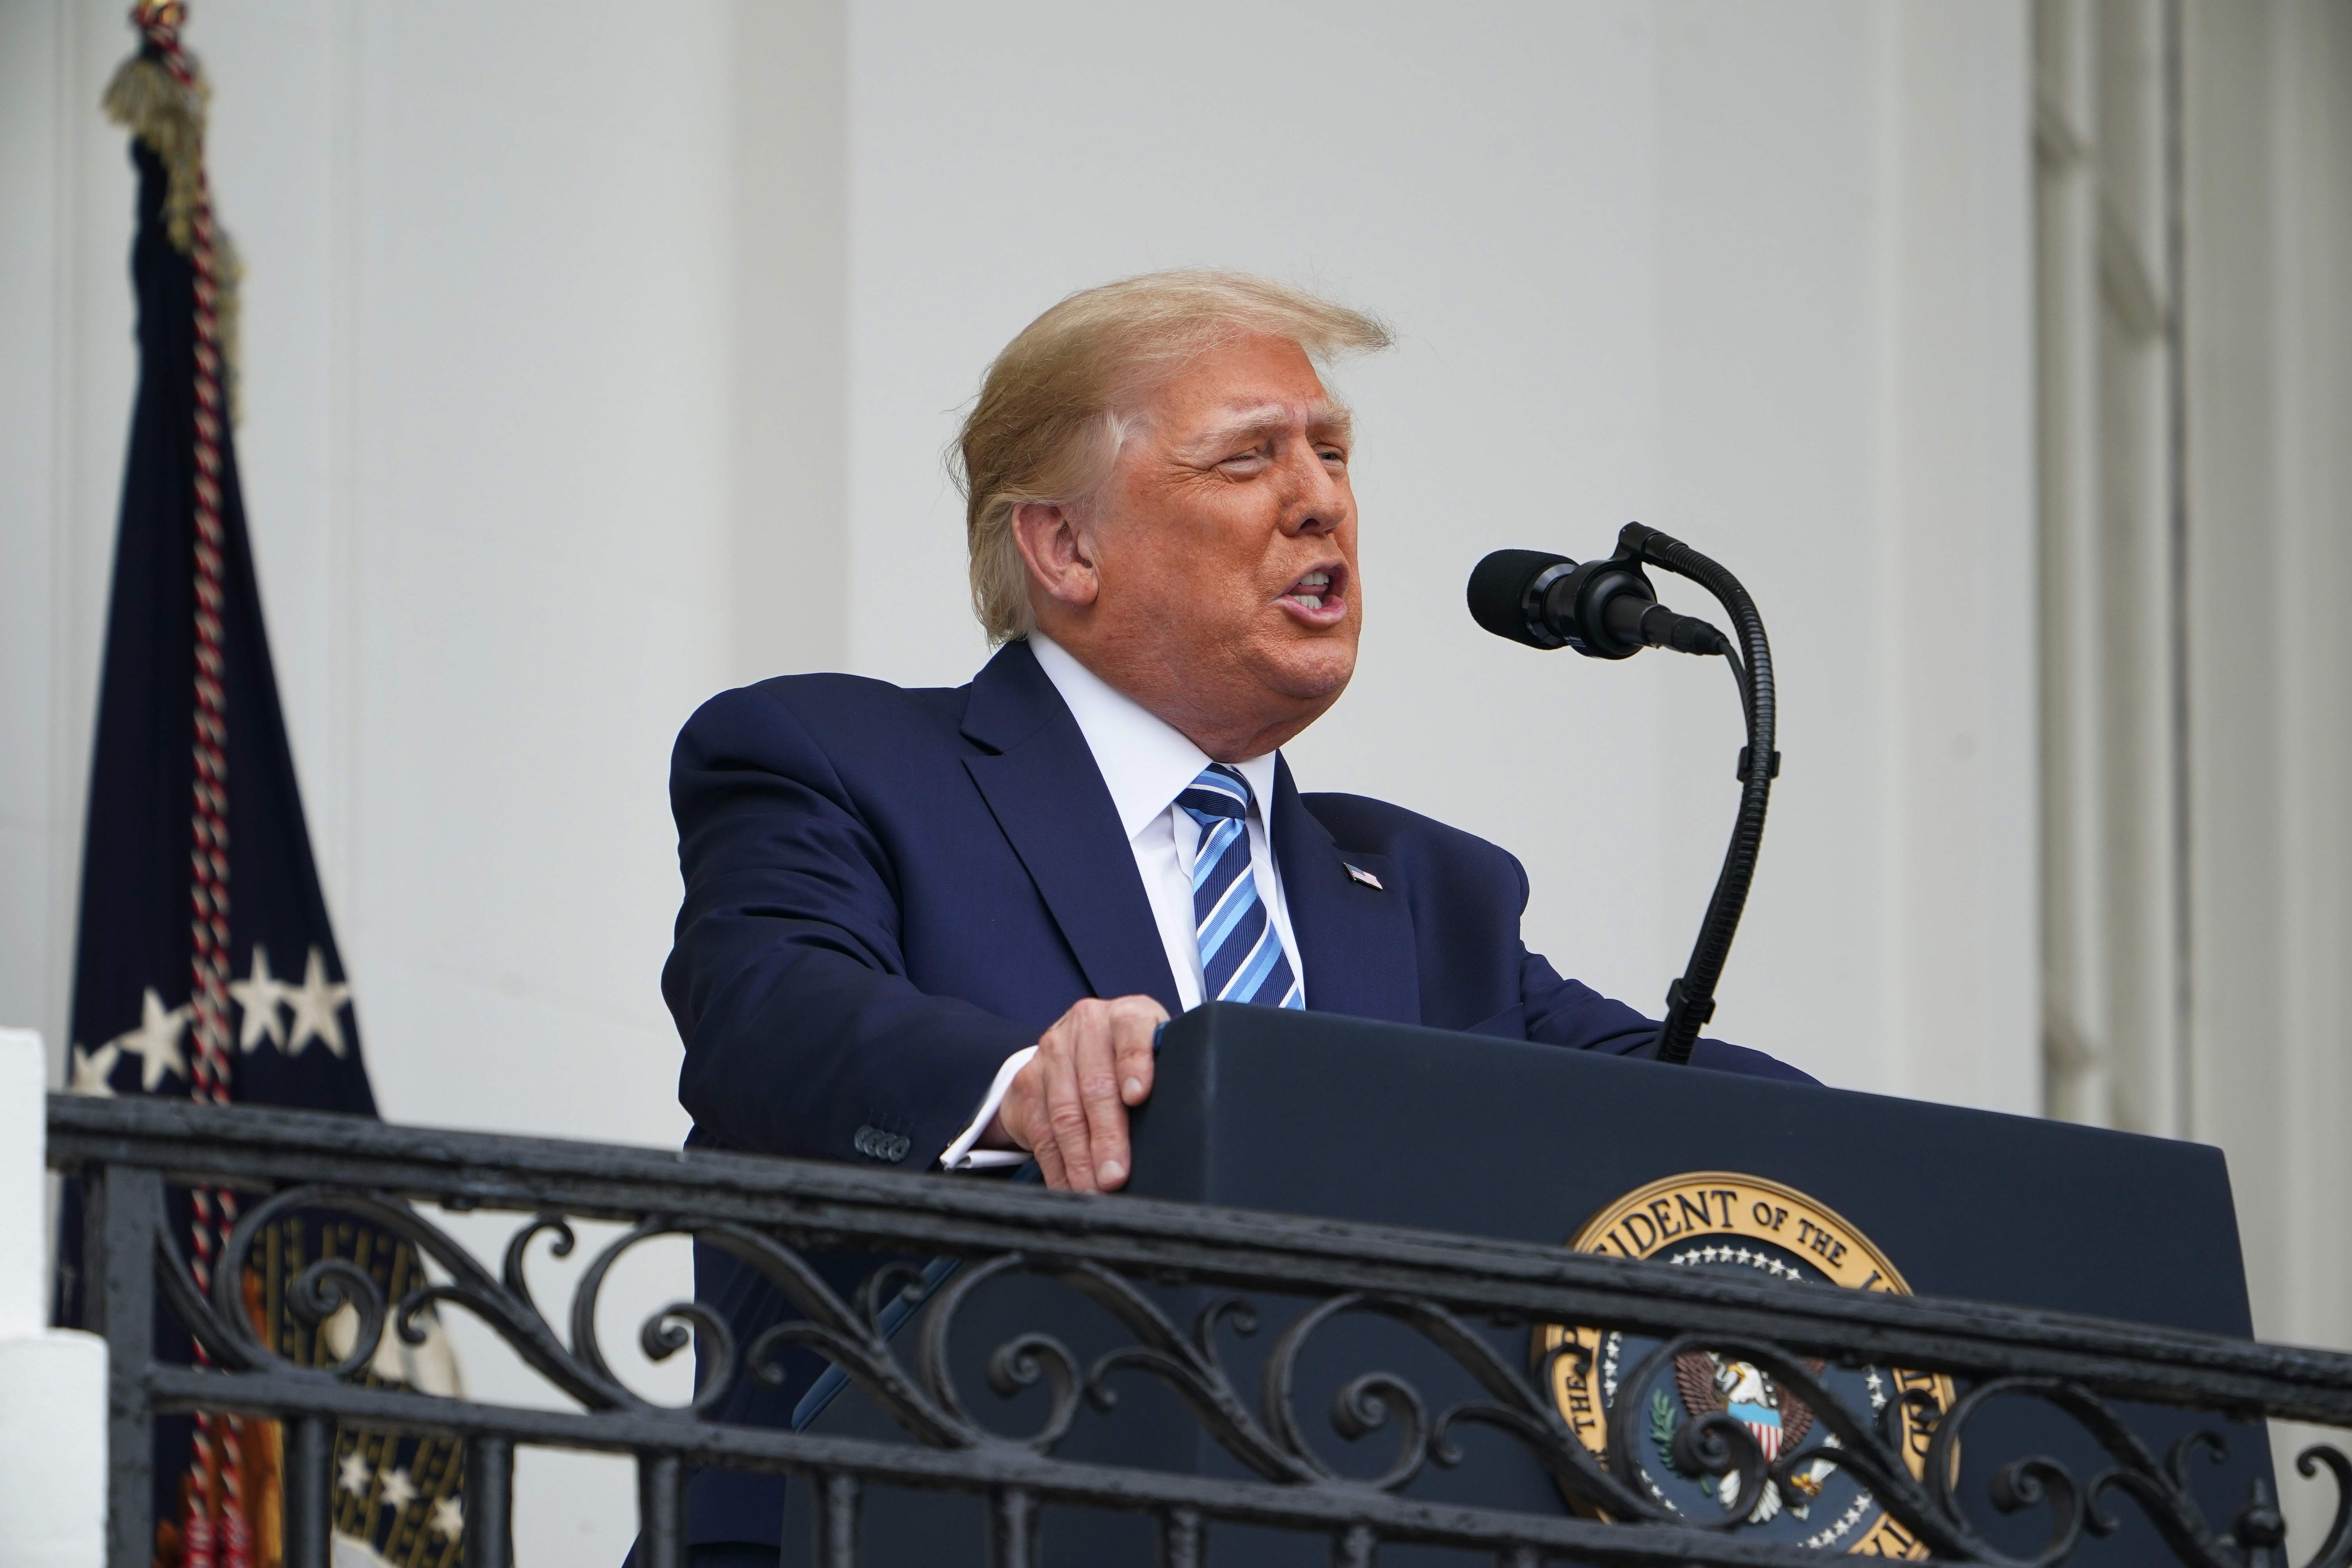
1145, 761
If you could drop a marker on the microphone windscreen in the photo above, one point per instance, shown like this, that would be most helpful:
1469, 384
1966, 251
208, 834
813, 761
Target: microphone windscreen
1498, 590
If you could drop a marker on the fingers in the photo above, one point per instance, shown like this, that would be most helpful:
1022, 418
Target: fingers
1065, 1113
1068, 1105
1105, 1117
1134, 1021
1049, 1158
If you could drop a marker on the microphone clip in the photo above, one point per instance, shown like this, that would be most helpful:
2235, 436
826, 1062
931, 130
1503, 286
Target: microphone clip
1686, 1014
1594, 606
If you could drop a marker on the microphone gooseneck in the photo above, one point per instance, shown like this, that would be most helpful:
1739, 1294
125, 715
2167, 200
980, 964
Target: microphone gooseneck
1605, 609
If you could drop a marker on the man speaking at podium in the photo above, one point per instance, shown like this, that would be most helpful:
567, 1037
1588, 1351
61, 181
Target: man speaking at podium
939, 927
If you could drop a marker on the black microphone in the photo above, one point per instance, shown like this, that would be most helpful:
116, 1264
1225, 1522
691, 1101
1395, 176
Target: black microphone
1603, 609
1606, 609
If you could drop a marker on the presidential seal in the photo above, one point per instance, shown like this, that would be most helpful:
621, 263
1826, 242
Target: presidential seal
1721, 1221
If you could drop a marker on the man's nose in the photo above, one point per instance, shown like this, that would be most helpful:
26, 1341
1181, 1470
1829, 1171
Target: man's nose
1318, 501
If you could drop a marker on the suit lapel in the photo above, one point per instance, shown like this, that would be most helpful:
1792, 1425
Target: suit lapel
1355, 940
1041, 786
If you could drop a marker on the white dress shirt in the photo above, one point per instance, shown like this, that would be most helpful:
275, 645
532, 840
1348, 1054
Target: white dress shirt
1146, 762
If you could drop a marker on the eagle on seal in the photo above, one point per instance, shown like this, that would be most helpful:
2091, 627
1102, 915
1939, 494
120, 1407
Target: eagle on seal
1775, 1418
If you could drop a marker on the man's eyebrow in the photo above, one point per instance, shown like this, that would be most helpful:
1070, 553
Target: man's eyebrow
1323, 420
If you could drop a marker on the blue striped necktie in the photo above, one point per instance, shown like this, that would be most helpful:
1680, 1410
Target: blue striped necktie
1241, 957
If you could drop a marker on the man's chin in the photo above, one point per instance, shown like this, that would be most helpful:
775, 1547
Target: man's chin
1316, 673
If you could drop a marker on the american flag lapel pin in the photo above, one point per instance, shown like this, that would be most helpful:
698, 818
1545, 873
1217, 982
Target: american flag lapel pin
1366, 878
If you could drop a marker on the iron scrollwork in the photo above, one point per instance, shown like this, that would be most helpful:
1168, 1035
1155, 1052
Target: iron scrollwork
1268, 1437
912, 1378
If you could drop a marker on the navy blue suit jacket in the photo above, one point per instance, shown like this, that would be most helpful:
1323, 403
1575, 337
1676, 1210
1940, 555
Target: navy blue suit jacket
888, 892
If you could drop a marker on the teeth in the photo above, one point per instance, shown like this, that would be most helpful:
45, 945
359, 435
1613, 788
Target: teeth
1316, 580
1312, 601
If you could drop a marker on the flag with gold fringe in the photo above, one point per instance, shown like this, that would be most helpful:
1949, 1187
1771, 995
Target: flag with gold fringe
206, 964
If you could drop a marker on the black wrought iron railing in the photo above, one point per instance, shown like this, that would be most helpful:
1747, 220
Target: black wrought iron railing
1124, 1259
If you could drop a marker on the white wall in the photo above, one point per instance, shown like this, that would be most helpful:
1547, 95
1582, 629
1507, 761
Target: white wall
53, 1423
598, 358
65, 405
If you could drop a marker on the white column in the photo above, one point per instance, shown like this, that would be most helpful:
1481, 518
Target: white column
53, 1418
2267, 122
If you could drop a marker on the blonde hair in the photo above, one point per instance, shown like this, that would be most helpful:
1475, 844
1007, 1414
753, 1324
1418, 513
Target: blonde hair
1059, 403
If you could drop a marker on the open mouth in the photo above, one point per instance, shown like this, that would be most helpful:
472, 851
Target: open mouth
1318, 596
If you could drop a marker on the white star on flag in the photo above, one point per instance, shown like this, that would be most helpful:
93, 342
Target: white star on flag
352, 1476
449, 1518
316, 1004
399, 1491
259, 996
93, 1071
156, 1041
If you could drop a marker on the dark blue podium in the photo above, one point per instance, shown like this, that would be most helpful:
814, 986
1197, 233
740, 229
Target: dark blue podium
1318, 1115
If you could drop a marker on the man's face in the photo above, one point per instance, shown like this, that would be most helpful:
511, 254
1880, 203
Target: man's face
1222, 553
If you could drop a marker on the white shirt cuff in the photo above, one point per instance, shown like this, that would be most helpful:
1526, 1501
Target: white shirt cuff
960, 1156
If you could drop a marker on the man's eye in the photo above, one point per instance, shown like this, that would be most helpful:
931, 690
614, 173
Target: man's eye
1334, 455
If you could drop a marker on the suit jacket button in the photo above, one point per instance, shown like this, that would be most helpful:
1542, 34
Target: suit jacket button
876, 1144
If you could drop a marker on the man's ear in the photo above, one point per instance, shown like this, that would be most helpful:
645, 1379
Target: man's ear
1058, 554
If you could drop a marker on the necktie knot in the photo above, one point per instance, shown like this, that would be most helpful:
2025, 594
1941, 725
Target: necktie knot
1217, 791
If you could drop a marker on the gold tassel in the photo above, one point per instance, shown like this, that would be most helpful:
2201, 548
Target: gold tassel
146, 100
